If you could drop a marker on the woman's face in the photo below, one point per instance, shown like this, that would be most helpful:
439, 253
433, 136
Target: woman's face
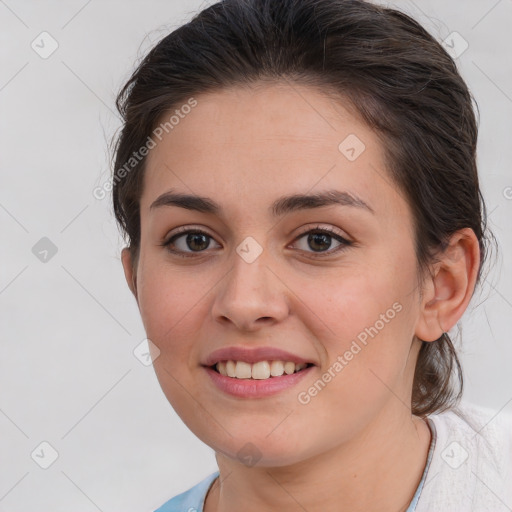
260, 278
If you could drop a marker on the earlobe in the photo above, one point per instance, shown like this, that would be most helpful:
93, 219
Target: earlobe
451, 287
129, 273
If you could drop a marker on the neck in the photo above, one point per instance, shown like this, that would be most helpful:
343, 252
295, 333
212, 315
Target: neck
378, 471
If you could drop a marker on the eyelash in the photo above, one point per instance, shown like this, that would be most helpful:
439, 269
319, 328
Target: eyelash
185, 231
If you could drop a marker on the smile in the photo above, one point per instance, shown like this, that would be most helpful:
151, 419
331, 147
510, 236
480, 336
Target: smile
250, 387
260, 370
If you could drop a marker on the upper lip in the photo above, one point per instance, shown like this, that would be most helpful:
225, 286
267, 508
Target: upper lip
252, 355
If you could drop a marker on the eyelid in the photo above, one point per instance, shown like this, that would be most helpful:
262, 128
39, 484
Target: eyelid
304, 230
186, 229
318, 227
183, 230
342, 239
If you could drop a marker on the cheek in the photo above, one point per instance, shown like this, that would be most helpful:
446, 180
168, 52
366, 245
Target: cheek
173, 308
356, 300
170, 305
369, 316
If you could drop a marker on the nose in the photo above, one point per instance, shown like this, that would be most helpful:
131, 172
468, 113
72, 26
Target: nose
251, 295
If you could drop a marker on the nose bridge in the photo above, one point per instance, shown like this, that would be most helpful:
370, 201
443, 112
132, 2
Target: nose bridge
250, 291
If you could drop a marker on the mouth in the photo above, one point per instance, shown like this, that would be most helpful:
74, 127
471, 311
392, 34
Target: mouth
261, 370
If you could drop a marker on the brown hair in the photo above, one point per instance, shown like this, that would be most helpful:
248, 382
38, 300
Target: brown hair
399, 79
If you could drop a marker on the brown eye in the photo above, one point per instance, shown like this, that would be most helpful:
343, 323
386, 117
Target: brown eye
320, 241
186, 243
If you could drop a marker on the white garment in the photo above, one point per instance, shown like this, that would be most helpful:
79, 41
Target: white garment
471, 467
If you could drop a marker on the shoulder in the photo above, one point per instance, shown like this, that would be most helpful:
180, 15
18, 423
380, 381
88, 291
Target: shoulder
191, 500
471, 467
485, 434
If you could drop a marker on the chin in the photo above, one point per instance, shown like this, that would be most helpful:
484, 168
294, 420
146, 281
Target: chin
256, 448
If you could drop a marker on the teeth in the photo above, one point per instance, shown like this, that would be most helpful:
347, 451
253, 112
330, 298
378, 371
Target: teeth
276, 368
260, 371
242, 370
230, 368
289, 368
221, 367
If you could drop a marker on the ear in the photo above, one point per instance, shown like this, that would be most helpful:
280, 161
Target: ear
448, 292
129, 272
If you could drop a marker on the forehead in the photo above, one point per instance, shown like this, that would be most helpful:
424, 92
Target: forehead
249, 143
254, 117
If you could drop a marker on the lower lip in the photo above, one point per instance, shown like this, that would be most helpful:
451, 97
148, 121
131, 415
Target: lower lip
255, 388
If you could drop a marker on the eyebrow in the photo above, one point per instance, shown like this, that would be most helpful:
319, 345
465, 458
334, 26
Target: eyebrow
280, 207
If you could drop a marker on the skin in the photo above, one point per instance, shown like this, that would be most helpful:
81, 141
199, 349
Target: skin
355, 446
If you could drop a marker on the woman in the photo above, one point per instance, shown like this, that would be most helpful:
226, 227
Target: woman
321, 154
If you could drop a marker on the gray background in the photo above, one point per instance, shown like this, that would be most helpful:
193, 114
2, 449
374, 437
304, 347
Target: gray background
68, 374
